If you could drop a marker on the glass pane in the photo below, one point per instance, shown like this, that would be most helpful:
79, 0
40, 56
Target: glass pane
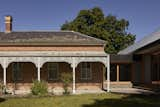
155, 68
113, 72
85, 71
17, 74
53, 70
125, 72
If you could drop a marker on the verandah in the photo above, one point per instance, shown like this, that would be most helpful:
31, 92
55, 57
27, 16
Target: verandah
39, 60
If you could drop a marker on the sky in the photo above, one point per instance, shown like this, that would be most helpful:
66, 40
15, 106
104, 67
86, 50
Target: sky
31, 15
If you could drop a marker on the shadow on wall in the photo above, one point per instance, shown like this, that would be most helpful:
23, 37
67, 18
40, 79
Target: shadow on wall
128, 101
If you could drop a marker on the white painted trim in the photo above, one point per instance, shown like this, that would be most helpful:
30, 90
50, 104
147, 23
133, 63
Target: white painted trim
108, 73
38, 69
74, 77
51, 53
4, 71
4, 76
40, 60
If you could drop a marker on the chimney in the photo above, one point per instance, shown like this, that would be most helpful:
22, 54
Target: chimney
8, 24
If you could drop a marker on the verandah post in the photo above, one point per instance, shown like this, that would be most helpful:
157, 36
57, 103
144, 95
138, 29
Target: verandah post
4, 76
117, 73
73, 69
38, 73
39, 70
108, 73
4, 72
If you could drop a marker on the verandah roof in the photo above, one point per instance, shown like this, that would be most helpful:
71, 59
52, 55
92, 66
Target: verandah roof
52, 53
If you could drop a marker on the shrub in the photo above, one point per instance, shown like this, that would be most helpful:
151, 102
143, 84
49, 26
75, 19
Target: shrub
66, 79
2, 88
39, 88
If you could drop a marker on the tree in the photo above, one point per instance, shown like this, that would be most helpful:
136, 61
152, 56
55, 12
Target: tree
92, 22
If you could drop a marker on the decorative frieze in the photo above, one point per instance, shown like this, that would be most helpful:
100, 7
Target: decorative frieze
39, 61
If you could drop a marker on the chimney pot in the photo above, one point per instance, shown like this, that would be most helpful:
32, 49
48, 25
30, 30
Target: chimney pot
8, 24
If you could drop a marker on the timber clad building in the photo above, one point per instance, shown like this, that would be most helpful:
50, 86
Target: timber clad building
43, 55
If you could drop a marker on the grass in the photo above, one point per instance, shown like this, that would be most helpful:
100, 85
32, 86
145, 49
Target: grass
86, 100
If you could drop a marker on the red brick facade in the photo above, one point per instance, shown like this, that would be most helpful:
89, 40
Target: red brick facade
19, 46
51, 48
29, 73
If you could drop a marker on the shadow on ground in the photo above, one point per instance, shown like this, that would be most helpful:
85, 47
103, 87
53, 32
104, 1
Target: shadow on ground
128, 101
2, 100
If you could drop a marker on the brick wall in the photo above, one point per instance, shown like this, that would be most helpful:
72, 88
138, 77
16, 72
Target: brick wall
30, 73
51, 48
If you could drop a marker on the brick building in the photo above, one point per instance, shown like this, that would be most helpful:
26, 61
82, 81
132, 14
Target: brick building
45, 55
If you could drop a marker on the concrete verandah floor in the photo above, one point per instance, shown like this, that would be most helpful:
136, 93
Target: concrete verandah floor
118, 90
113, 90
132, 91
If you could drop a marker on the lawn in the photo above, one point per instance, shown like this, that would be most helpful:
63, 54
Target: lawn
86, 100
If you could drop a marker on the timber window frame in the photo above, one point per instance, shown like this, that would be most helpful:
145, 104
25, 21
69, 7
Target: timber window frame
17, 71
53, 71
86, 71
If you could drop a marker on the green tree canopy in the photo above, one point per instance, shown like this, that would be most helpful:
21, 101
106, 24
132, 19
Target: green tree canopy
94, 23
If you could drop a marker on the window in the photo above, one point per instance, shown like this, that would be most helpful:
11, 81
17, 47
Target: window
52, 71
155, 68
113, 72
86, 71
17, 73
125, 72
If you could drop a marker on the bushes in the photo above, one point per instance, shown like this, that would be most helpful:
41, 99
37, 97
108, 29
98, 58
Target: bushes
66, 78
39, 88
2, 88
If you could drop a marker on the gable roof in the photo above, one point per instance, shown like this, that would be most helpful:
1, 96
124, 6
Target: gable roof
48, 38
142, 43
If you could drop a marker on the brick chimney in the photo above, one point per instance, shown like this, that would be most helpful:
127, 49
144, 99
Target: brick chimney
8, 24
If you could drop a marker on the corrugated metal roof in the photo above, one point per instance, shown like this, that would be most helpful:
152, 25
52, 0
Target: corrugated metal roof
52, 53
142, 43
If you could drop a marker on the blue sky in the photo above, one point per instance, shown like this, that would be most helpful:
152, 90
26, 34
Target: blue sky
143, 15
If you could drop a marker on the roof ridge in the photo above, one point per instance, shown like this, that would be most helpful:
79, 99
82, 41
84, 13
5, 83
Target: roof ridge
41, 31
141, 43
149, 35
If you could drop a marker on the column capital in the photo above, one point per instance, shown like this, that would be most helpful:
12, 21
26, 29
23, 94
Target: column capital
4, 64
74, 62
